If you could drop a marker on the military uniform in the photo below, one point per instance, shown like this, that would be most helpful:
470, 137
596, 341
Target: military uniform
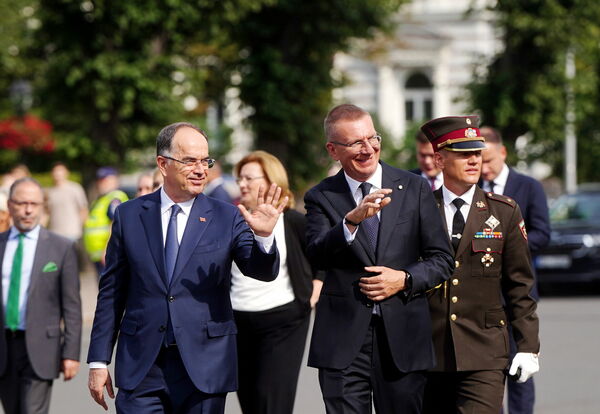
490, 287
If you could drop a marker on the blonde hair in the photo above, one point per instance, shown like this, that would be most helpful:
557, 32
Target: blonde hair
274, 172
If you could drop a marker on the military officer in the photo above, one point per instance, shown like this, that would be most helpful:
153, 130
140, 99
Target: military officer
469, 316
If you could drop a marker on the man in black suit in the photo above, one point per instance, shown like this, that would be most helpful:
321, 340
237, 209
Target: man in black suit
499, 178
376, 232
41, 313
427, 167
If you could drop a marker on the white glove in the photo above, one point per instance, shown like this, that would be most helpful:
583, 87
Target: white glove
528, 364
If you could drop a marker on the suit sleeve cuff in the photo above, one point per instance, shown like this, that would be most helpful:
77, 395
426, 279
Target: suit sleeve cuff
265, 243
347, 235
98, 364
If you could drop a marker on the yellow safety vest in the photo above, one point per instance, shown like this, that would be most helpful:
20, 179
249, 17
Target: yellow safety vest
96, 229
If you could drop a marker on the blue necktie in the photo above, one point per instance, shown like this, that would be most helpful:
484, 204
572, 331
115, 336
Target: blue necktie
172, 244
371, 225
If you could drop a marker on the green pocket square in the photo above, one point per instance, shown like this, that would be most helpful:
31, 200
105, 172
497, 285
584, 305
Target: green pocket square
50, 267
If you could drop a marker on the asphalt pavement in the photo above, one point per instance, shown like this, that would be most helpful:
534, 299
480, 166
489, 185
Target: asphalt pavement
568, 382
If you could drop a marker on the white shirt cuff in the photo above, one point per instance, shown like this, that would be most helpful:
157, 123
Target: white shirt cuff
98, 364
347, 235
265, 243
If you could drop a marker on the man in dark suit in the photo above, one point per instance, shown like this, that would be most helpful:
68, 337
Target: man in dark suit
41, 312
499, 178
491, 262
427, 168
375, 231
165, 290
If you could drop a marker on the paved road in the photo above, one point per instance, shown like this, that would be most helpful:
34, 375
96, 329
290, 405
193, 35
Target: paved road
568, 383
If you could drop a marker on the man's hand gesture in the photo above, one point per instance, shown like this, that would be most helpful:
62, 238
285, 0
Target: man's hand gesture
98, 379
263, 218
370, 205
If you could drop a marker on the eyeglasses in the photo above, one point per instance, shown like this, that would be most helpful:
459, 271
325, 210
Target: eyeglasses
22, 204
247, 178
374, 141
192, 162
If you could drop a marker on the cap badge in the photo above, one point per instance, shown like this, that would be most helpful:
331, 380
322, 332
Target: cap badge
468, 121
470, 133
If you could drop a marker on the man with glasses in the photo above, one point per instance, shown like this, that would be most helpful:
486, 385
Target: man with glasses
41, 312
376, 232
165, 290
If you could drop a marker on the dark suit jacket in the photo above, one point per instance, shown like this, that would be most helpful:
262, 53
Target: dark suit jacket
135, 301
486, 269
530, 196
410, 238
53, 298
300, 271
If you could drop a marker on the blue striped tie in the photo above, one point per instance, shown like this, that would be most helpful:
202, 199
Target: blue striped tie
371, 225
172, 243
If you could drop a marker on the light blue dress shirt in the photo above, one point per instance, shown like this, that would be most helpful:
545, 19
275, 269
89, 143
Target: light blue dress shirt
29, 245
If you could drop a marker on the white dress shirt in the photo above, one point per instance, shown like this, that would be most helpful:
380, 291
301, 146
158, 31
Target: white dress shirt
438, 182
450, 209
499, 181
29, 245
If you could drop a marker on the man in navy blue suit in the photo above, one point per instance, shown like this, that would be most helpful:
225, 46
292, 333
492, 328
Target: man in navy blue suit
376, 232
165, 289
499, 178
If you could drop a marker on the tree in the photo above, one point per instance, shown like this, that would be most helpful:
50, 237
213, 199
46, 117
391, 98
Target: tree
287, 57
523, 90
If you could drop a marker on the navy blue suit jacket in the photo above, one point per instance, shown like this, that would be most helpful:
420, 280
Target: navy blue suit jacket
411, 238
135, 300
530, 196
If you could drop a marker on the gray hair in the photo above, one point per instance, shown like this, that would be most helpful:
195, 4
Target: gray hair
165, 136
23, 180
344, 112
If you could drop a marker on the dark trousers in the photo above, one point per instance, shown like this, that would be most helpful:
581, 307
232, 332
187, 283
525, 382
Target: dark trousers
372, 378
464, 392
21, 390
168, 389
270, 346
521, 397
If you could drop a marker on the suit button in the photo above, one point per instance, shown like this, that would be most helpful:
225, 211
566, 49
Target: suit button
171, 299
162, 328
489, 249
455, 282
457, 264
453, 317
502, 323
454, 299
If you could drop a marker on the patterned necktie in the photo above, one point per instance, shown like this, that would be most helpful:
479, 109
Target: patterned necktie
458, 223
14, 290
172, 244
432, 179
371, 225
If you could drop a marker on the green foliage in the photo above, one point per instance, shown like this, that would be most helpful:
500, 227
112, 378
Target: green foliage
286, 75
524, 87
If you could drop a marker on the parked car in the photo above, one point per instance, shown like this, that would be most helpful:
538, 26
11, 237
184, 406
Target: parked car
573, 254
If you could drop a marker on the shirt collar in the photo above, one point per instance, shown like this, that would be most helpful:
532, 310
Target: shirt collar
503, 176
449, 196
166, 203
32, 234
374, 180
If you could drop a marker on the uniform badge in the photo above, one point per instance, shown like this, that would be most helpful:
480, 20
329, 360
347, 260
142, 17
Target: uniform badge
523, 229
488, 234
470, 133
487, 260
493, 222
480, 204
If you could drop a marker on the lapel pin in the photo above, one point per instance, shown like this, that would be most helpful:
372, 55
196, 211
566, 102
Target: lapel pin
202, 219
480, 204
400, 187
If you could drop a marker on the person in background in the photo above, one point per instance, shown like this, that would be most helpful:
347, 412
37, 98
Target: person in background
492, 261
272, 317
96, 231
41, 312
5, 220
145, 184
215, 187
427, 168
375, 231
17, 172
499, 178
67, 204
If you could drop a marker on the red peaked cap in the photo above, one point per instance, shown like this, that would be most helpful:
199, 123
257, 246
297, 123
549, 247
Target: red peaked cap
454, 133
